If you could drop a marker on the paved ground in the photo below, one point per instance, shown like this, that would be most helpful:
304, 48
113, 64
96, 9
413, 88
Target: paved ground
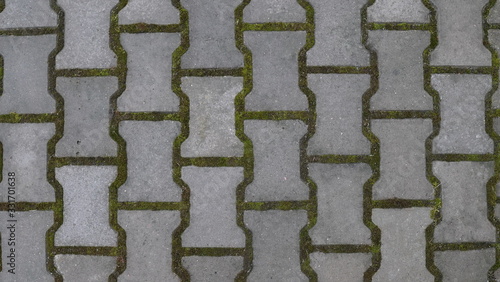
262, 140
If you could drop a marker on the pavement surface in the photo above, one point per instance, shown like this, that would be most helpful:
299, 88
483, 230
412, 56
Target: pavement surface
250, 140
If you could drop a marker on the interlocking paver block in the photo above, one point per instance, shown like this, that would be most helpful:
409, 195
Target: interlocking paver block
460, 34
25, 154
275, 52
149, 72
411, 11
213, 269
213, 213
464, 205
211, 117
149, 239
403, 244
261, 11
86, 207
402, 159
211, 35
25, 89
465, 265
29, 245
338, 34
276, 245
22, 13
462, 112
150, 12
86, 116
400, 62
340, 267
339, 121
86, 38
277, 160
149, 161
340, 203
85, 268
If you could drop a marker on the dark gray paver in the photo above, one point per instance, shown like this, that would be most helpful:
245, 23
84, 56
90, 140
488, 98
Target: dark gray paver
275, 245
277, 160
340, 203
336, 267
403, 244
338, 34
85, 268
211, 35
86, 122
149, 161
86, 38
462, 128
25, 89
213, 269
339, 122
149, 241
26, 157
400, 62
275, 52
464, 206
213, 213
402, 159
149, 72
212, 130
86, 206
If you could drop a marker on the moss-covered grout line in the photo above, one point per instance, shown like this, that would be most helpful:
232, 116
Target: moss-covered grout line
436, 125
149, 28
375, 148
248, 175
28, 31
177, 249
213, 252
121, 159
492, 182
51, 145
343, 248
311, 206
401, 26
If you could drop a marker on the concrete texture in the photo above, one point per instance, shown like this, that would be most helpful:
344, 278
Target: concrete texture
262, 140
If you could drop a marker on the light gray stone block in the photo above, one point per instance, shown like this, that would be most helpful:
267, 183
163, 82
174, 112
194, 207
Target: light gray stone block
214, 269
22, 13
464, 203
465, 265
276, 245
402, 159
211, 35
494, 40
212, 130
411, 11
86, 116
149, 72
25, 89
262, 11
400, 63
340, 267
212, 217
339, 114
460, 34
275, 71
85, 268
29, 246
276, 160
403, 244
149, 11
86, 206
337, 34
149, 161
462, 114
25, 153
86, 35
149, 245
340, 204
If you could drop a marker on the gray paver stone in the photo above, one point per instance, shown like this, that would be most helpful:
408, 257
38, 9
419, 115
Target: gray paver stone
411, 11
151, 12
213, 269
85, 268
340, 267
19, 13
261, 11
465, 265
